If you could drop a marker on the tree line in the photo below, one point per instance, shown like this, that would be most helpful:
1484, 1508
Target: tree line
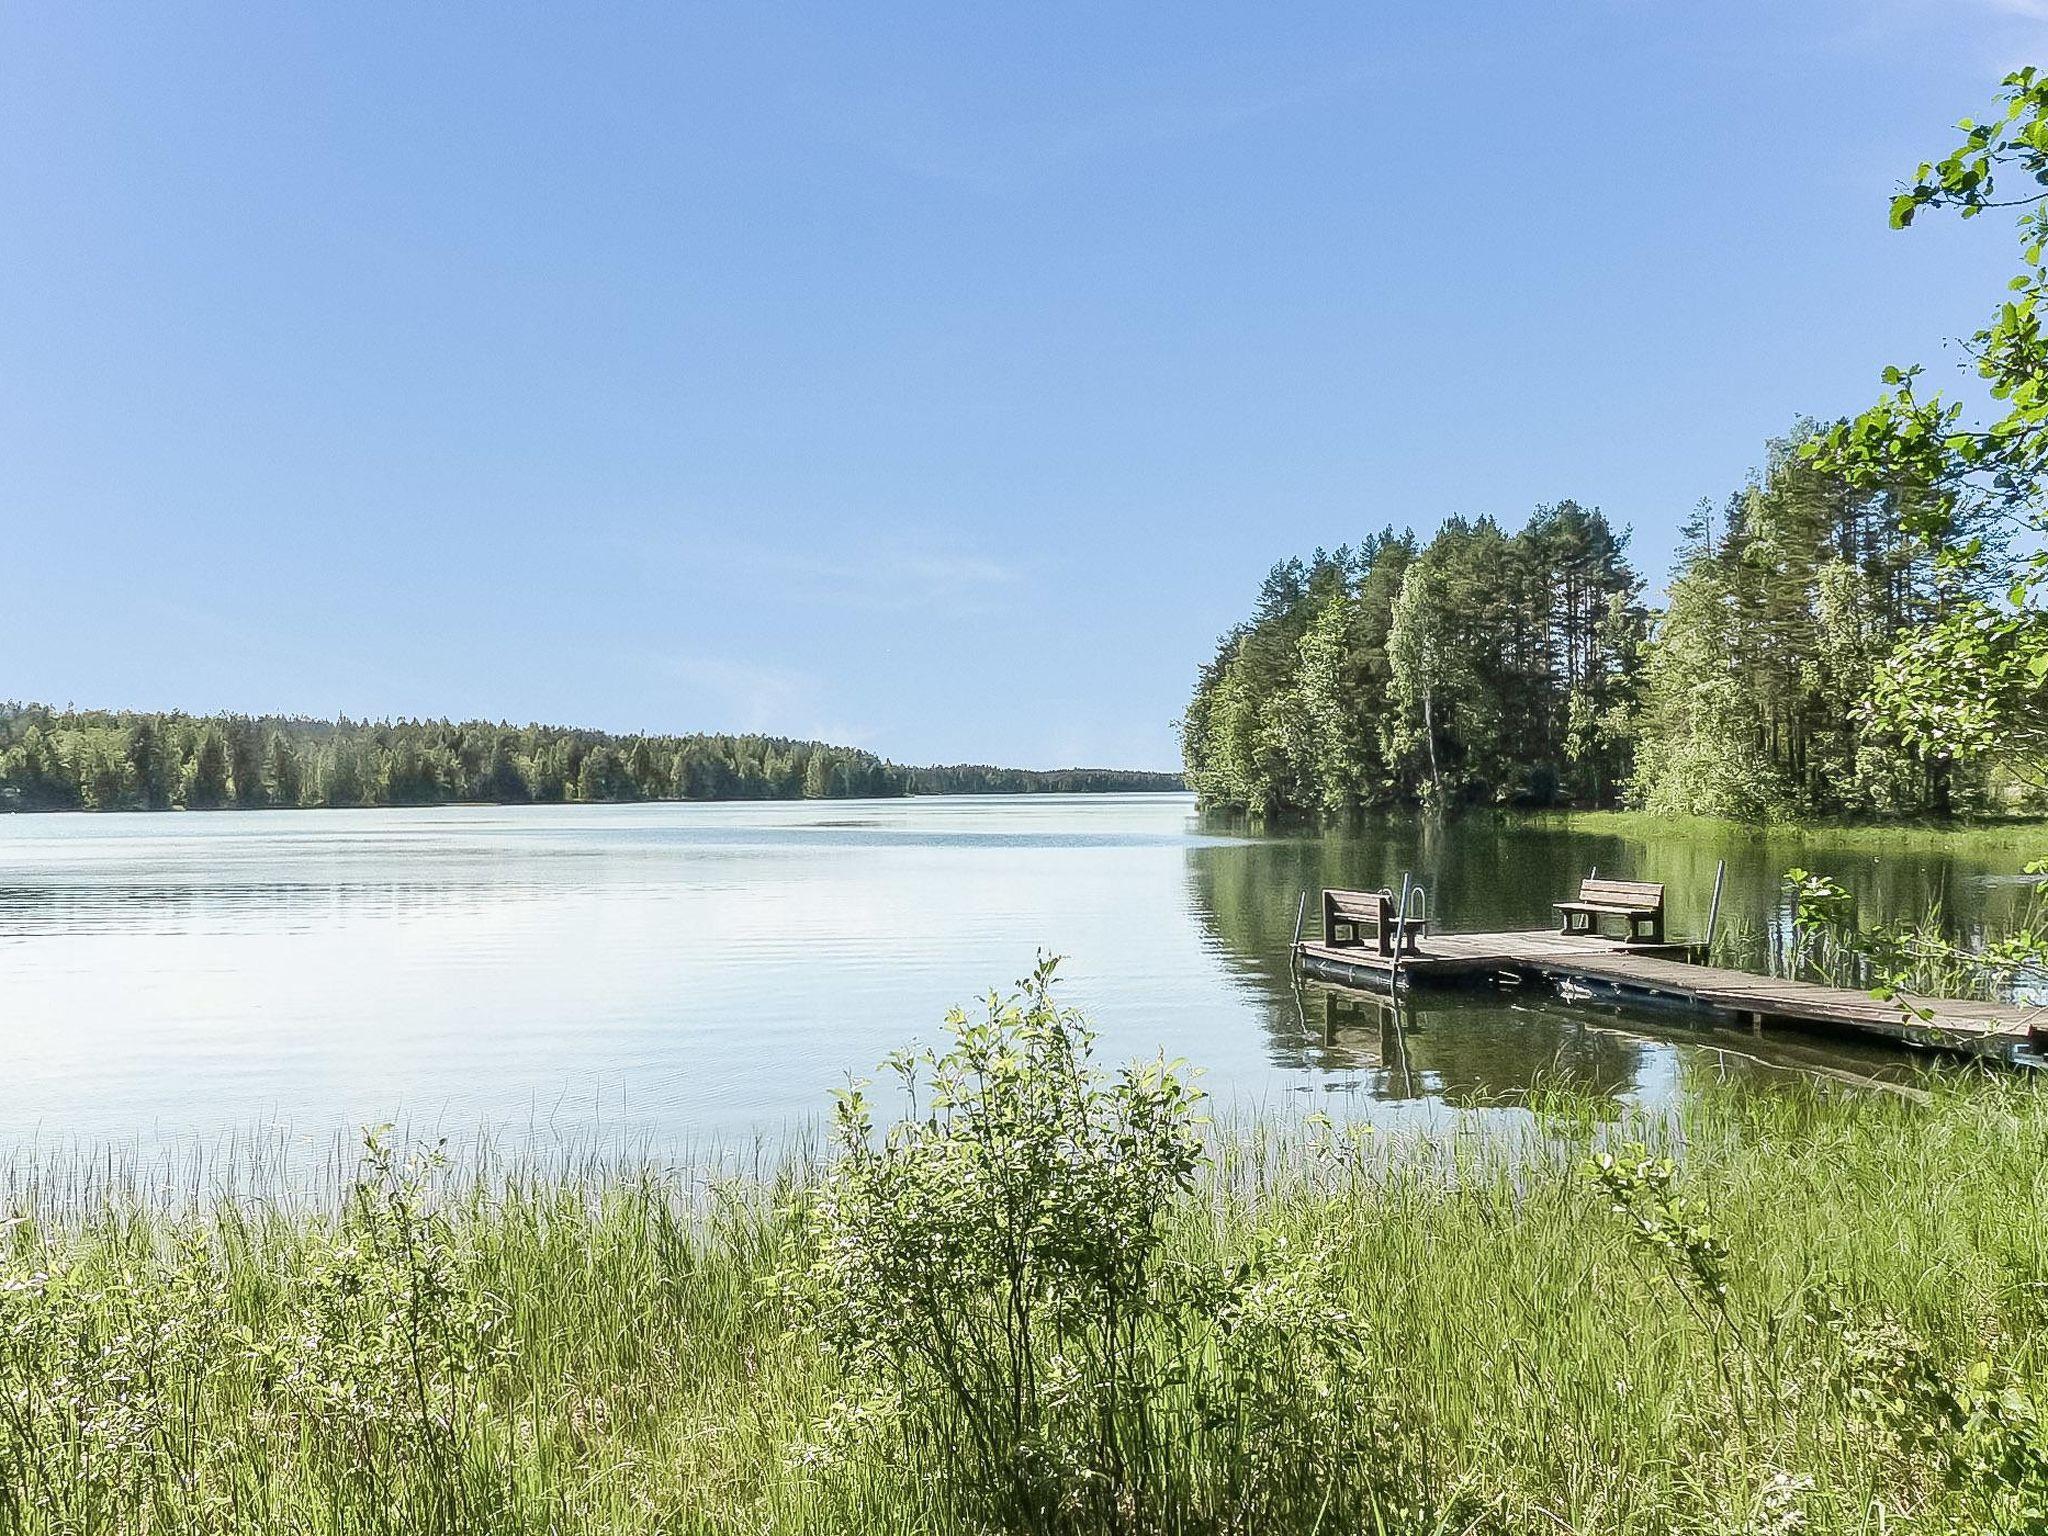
981, 779
1481, 666
54, 759
1488, 667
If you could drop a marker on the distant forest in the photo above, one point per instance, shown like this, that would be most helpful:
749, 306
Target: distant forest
1489, 667
117, 760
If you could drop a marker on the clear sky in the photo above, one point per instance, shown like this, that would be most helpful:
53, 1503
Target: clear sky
935, 378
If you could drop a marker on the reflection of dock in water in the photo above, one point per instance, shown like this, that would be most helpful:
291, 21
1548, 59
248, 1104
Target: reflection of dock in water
1469, 1046
1468, 1049
1371, 1027
1662, 975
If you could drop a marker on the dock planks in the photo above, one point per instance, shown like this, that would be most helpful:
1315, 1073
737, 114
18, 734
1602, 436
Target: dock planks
1662, 973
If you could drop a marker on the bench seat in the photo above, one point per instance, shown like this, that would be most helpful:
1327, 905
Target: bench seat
1639, 903
1368, 911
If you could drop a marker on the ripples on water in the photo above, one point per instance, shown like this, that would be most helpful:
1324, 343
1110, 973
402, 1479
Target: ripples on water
685, 974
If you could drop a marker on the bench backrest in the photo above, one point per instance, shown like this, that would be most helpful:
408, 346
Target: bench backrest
1622, 893
1352, 906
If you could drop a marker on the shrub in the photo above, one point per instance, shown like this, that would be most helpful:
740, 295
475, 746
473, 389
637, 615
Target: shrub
993, 1276
382, 1365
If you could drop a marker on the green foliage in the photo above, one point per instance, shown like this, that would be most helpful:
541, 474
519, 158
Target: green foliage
1982, 1422
1974, 684
993, 1263
1868, 634
1643, 1192
366, 1378
1483, 668
1902, 962
982, 779
106, 760
206, 778
1488, 668
1816, 1311
993, 1275
1697, 753
1756, 689
1971, 686
384, 1361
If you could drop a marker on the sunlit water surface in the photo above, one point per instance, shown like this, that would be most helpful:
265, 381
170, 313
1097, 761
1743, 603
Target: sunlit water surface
691, 975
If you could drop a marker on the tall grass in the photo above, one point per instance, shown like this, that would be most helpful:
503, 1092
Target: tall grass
1832, 1317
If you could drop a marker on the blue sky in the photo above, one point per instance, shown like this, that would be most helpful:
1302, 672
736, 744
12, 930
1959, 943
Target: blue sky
937, 378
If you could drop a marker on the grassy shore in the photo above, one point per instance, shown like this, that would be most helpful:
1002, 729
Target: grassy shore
1835, 1320
2025, 836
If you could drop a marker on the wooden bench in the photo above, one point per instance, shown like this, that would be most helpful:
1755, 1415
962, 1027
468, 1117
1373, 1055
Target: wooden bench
1640, 902
1359, 911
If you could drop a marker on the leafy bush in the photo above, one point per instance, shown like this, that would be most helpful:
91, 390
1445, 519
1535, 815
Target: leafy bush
994, 1276
383, 1363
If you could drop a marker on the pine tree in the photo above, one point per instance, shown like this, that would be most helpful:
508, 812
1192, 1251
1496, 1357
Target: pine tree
207, 784
286, 771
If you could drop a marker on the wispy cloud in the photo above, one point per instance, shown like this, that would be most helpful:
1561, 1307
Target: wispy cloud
748, 696
883, 579
1884, 23
956, 571
990, 153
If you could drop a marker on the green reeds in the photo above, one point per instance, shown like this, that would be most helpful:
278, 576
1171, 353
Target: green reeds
514, 1344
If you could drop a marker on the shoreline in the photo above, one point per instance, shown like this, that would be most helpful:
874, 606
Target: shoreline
2021, 832
2030, 832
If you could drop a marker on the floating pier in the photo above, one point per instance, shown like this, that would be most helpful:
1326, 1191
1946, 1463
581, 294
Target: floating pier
1663, 974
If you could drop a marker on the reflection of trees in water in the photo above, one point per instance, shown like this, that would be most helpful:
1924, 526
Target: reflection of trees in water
1472, 1047
1244, 896
1484, 872
1464, 1047
1487, 873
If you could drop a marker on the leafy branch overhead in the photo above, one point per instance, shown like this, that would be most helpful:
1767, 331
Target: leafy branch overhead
1977, 681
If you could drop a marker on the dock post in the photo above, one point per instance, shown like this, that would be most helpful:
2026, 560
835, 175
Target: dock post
1400, 929
1294, 948
1714, 910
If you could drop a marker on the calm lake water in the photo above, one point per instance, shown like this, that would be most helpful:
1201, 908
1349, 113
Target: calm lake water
689, 974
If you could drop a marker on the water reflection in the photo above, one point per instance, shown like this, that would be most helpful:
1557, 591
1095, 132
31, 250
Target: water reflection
1473, 1047
683, 973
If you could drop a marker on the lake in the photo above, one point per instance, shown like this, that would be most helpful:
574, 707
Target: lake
684, 974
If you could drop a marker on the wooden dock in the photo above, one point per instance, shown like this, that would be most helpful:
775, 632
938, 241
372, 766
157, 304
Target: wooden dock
1664, 975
